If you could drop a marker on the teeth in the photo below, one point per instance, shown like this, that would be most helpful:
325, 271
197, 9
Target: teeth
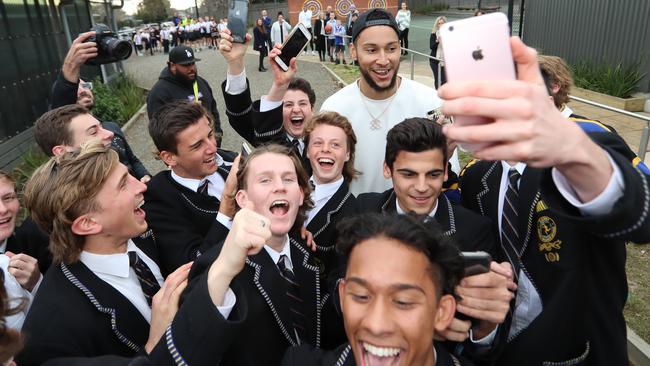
297, 118
326, 160
5, 221
279, 203
381, 351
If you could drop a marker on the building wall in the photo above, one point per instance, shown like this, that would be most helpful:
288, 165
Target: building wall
32, 44
612, 31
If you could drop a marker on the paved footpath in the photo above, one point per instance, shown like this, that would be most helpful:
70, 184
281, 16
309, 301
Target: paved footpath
212, 67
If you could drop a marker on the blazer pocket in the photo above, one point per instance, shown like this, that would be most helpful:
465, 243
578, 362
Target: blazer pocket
574, 361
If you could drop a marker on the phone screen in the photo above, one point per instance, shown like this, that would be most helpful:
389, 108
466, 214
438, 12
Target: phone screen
237, 18
293, 46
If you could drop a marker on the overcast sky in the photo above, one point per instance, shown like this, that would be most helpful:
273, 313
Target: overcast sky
131, 6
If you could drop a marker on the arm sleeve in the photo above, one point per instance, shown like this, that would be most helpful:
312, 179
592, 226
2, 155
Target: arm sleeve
63, 92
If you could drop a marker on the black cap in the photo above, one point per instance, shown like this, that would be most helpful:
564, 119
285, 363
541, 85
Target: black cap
371, 18
182, 55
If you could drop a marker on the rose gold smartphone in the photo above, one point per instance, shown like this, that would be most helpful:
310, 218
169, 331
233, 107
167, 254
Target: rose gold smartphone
477, 48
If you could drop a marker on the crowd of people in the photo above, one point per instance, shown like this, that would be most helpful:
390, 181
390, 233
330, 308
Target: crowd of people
199, 34
337, 239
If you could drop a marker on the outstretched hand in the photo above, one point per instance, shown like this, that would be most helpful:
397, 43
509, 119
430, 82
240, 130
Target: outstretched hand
80, 51
233, 52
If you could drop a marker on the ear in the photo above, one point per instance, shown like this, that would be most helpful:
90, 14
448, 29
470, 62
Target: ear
341, 292
555, 88
85, 225
242, 199
168, 157
58, 150
387, 174
302, 196
347, 156
445, 312
353, 51
446, 171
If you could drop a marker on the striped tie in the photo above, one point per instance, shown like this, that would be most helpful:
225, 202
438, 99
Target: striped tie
147, 280
510, 220
293, 297
203, 188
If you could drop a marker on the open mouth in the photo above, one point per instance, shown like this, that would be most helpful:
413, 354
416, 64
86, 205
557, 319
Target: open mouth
296, 121
382, 73
209, 161
326, 163
279, 207
421, 199
380, 356
5, 221
139, 212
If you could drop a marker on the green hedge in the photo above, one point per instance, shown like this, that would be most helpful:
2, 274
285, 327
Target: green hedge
118, 100
615, 80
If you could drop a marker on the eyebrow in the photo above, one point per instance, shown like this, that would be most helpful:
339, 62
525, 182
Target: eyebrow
96, 126
123, 179
393, 287
406, 170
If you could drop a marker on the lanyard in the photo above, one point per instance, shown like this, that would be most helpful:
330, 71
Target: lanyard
196, 92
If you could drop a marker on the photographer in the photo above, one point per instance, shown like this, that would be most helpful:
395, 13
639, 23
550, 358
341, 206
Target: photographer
70, 89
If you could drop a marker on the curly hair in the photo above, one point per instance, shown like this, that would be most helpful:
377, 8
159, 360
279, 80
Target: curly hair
65, 188
413, 231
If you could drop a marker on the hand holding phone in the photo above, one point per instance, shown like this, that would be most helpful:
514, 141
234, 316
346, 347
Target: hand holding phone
293, 46
238, 19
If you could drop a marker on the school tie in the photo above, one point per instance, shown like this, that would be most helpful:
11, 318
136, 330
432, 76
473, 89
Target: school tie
510, 240
203, 188
293, 297
295, 147
281, 32
147, 280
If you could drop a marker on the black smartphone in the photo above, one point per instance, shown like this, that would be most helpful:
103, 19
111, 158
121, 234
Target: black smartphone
238, 19
297, 40
476, 262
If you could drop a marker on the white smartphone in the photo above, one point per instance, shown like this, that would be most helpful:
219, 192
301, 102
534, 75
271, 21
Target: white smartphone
477, 48
293, 46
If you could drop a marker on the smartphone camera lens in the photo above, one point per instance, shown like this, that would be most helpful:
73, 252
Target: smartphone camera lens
451, 29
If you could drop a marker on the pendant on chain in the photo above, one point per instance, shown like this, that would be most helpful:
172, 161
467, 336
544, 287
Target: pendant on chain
375, 124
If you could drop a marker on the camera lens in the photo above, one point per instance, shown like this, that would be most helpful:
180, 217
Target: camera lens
120, 49
451, 29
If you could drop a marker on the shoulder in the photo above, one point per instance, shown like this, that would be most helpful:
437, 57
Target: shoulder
308, 355
590, 125
160, 185
422, 95
373, 201
340, 96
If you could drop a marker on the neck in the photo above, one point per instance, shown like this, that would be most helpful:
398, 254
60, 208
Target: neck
372, 93
277, 242
319, 180
104, 244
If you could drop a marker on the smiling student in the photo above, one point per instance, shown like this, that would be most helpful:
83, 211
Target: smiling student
397, 292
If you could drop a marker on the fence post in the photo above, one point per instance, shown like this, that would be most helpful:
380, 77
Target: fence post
643, 144
412, 65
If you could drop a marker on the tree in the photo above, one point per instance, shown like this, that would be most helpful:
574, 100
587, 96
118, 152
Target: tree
216, 8
153, 10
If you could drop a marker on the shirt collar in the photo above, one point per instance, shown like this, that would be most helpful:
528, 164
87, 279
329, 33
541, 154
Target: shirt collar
401, 212
111, 264
193, 184
566, 111
3, 246
275, 256
325, 190
519, 167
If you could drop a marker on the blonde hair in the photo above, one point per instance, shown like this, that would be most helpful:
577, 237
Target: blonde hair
63, 189
435, 24
303, 180
559, 74
336, 120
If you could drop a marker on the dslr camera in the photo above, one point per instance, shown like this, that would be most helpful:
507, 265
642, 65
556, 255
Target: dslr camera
110, 48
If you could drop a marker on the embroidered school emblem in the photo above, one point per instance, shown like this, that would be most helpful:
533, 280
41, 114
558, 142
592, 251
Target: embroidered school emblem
546, 232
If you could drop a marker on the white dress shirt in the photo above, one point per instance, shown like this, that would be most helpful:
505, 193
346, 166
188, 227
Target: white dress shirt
16, 294
400, 211
528, 303
286, 250
215, 188
321, 195
3, 249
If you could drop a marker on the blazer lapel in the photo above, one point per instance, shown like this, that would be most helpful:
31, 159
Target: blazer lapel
323, 218
488, 198
528, 197
308, 276
390, 204
127, 323
445, 216
272, 287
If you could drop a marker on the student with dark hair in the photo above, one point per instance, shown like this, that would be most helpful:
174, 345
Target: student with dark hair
268, 274
416, 162
398, 291
190, 206
280, 115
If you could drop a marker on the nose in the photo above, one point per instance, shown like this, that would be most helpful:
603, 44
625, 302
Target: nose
139, 186
421, 183
377, 320
106, 135
211, 146
382, 57
3, 207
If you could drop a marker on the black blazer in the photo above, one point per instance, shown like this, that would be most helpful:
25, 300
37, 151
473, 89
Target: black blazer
257, 127
31, 240
469, 231
267, 323
183, 221
76, 314
343, 356
576, 262
188, 339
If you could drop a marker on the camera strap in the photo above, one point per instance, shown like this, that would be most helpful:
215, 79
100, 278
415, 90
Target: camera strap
196, 92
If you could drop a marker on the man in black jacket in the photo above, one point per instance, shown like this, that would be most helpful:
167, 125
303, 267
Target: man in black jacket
70, 89
189, 207
564, 202
180, 81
